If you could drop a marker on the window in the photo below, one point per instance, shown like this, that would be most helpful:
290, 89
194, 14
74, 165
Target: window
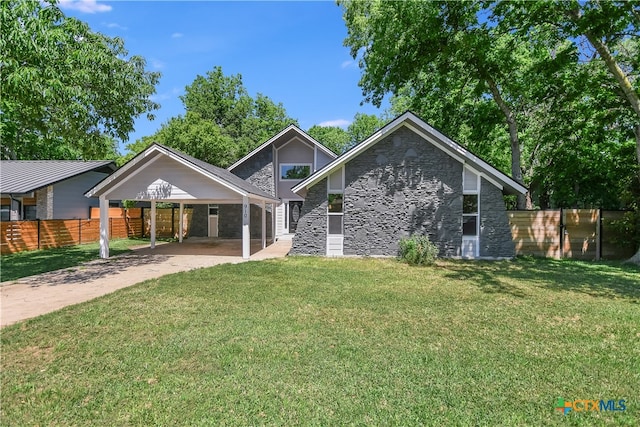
470, 213
5, 213
297, 172
213, 209
30, 212
335, 203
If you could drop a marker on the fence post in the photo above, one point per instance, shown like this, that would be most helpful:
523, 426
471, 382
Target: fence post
599, 234
38, 233
173, 215
561, 233
79, 231
110, 228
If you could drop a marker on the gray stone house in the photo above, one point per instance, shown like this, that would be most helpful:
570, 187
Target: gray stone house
408, 178
274, 167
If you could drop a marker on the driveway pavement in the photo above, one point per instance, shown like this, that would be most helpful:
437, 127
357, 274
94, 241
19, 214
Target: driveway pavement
36, 295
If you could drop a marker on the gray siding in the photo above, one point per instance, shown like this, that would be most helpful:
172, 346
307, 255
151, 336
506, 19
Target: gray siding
68, 196
402, 185
322, 160
295, 152
495, 233
258, 170
311, 235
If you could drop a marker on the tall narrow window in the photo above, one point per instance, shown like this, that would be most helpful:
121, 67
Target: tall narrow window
335, 213
470, 213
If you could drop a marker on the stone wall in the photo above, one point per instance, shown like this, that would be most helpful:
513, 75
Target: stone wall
311, 234
230, 222
258, 170
44, 203
401, 186
199, 221
495, 233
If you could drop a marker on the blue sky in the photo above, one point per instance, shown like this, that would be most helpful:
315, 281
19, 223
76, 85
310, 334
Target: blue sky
290, 51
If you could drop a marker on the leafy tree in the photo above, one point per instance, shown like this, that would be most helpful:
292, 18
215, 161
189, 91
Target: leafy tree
441, 52
334, 138
67, 92
222, 121
363, 126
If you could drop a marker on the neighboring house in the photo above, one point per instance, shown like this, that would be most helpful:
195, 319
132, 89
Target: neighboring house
274, 167
408, 178
49, 189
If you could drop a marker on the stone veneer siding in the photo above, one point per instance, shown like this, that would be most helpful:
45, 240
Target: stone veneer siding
44, 203
495, 232
199, 221
258, 170
311, 234
402, 185
231, 217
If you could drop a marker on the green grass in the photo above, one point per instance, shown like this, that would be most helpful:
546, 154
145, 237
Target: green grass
28, 263
336, 341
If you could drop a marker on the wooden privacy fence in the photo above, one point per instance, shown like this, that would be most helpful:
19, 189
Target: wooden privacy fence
18, 236
567, 233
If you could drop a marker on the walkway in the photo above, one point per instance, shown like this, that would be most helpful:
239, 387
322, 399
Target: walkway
36, 295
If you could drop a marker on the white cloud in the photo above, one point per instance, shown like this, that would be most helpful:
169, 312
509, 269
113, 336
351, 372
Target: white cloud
114, 25
157, 64
85, 6
338, 122
176, 35
348, 64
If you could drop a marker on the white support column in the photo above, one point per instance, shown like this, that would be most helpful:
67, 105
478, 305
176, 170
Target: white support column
246, 231
273, 222
181, 222
104, 227
153, 224
264, 224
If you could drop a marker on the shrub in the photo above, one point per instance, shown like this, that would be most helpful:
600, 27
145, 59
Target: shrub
417, 250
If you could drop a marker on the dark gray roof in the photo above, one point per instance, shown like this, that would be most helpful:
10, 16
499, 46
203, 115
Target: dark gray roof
24, 176
223, 174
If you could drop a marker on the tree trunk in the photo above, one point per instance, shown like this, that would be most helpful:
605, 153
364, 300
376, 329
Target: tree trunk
524, 201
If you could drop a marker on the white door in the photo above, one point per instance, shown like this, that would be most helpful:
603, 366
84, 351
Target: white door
213, 220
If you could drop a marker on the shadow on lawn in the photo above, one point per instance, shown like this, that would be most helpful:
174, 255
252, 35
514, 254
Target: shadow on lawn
91, 270
610, 280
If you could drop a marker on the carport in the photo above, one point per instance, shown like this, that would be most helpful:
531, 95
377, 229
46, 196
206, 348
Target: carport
162, 174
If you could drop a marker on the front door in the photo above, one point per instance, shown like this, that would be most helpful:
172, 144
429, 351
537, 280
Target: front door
213, 220
295, 208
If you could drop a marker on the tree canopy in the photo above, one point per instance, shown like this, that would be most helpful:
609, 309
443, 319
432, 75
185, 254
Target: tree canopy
529, 85
67, 92
222, 121
339, 140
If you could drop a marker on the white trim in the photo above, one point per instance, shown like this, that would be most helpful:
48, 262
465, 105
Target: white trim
429, 133
300, 132
104, 227
335, 242
109, 179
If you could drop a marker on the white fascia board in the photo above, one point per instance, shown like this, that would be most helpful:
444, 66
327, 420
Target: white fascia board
355, 151
470, 157
278, 136
97, 189
203, 172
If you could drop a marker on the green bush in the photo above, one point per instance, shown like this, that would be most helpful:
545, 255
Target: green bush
417, 250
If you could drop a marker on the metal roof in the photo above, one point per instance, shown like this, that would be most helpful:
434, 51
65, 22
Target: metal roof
25, 176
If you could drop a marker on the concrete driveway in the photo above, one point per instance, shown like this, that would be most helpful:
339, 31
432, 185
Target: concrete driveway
36, 295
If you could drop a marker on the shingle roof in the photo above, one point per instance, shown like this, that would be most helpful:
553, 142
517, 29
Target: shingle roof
220, 173
288, 131
24, 176
215, 172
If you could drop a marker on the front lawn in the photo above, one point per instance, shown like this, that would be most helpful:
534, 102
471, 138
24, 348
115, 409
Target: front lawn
28, 263
336, 341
